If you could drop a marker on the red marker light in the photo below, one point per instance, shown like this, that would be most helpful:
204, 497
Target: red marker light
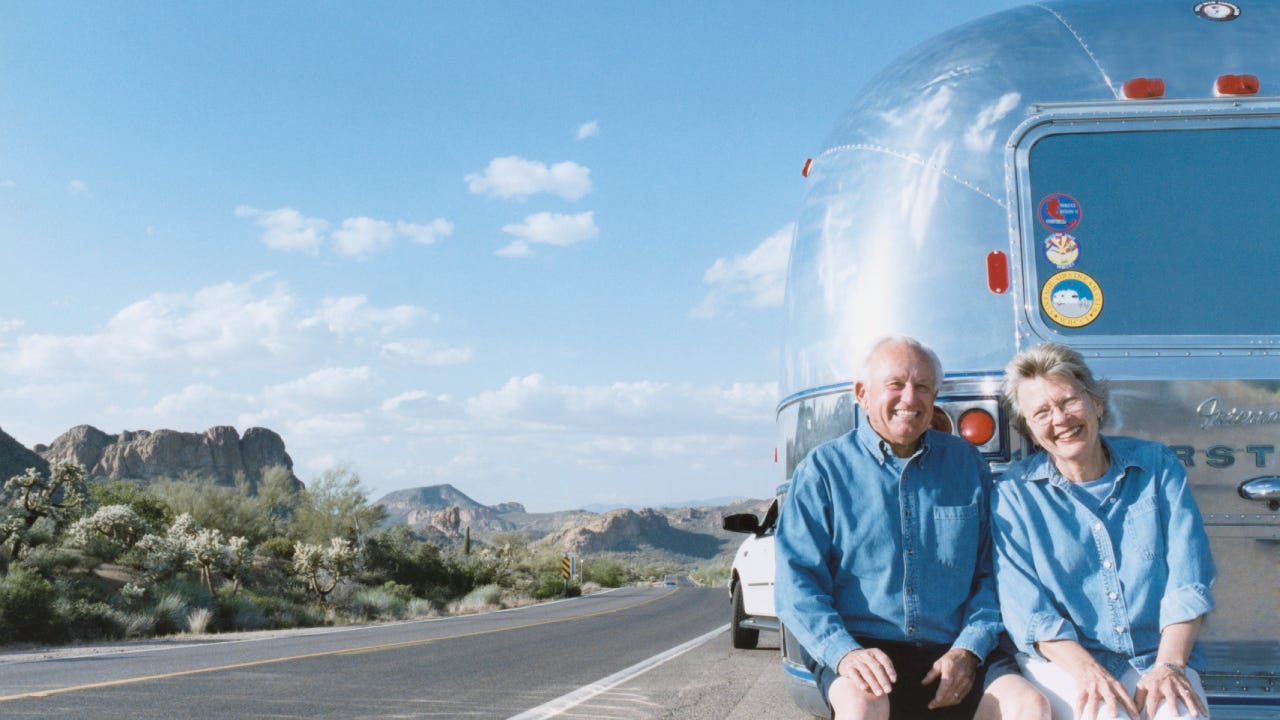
1143, 88
808, 165
977, 426
1236, 85
940, 421
998, 272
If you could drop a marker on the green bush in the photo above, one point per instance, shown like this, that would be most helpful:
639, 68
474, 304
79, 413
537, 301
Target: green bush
27, 608
550, 585
606, 572
279, 548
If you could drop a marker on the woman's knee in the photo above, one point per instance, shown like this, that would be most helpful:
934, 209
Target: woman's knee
1012, 697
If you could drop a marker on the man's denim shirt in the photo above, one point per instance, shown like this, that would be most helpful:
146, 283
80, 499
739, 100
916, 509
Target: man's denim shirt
881, 547
1110, 580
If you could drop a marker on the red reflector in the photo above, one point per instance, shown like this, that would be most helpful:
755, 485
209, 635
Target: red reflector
998, 272
1237, 85
1143, 88
775, 455
940, 421
808, 165
977, 426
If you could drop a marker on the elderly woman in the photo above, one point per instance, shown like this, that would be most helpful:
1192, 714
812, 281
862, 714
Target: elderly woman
1102, 563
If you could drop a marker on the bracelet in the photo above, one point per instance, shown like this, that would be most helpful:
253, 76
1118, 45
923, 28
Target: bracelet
1180, 669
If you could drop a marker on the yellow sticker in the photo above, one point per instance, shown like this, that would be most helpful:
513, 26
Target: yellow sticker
1071, 299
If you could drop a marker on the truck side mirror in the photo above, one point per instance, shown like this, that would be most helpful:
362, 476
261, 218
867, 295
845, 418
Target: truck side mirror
741, 523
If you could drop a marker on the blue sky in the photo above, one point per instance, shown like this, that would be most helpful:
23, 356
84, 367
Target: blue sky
534, 250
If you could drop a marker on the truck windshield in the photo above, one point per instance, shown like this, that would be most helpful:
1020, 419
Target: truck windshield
1156, 233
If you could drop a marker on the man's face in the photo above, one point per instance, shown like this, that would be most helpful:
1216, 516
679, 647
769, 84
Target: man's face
897, 395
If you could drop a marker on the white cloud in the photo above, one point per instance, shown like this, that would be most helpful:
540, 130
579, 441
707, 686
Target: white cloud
517, 178
588, 130
351, 314
356, 238
287, 229
78, 188
425, 234
757, 279
549, 229
360, 237
425, 353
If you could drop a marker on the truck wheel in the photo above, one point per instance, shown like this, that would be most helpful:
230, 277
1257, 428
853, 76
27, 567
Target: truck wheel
743, 638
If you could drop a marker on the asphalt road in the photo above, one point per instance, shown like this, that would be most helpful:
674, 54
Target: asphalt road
630, 653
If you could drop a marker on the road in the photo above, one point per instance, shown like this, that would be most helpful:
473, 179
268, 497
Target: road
632, 653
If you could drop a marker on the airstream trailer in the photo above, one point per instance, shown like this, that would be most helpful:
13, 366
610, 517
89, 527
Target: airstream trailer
1096, 173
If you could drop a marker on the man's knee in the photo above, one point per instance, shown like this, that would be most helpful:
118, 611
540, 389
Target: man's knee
1012, 697
850, 702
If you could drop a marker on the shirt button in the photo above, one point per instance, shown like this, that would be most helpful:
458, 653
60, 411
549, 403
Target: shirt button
1106, 564
911, 591
1097, 526
1113, 596
1120, 629
911, 629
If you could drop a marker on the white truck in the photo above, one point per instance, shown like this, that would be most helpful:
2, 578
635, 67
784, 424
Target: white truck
1096, 173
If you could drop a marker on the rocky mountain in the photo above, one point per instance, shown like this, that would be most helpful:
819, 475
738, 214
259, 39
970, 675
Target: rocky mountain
220, 453
681, 532
15, 458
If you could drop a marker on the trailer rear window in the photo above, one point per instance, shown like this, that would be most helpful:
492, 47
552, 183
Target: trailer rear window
1156, 233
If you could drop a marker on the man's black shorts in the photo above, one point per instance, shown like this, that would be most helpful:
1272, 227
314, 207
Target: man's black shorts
910, 700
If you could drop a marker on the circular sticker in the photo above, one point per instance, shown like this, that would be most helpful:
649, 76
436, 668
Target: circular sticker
1221, 11
1062, 250
1071, 299
1059, 213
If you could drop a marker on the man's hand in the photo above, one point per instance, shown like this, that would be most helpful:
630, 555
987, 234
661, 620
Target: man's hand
1163, 682
869, 669
957, 668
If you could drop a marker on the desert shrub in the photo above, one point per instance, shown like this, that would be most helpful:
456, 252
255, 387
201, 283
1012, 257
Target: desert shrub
53, 561
199, 620
551, 584
420, 608
485, 597
380, 603
151, 509
606, 572
278, 548
27, 608
169, 614
89, 620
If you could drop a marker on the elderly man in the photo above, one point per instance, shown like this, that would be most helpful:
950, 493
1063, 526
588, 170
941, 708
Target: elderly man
884, 559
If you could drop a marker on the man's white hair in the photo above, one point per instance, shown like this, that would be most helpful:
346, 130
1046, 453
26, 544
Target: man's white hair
908, 342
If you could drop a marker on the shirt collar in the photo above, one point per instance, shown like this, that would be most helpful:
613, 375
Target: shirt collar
1043, 469
877, 445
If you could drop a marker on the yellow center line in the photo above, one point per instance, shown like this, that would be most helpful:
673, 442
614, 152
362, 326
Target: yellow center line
383, 647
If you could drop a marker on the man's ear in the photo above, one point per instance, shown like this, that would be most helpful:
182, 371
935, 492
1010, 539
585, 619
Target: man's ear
858, 391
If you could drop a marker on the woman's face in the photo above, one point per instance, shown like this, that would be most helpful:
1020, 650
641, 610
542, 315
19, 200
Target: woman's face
1062, 417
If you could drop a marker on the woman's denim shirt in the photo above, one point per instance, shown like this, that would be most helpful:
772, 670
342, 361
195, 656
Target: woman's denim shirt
876, 546
1110, 580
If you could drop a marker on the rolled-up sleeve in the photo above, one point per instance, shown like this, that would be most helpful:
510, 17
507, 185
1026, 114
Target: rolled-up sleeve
1188, 594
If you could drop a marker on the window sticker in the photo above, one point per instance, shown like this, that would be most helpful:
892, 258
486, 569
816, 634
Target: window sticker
1062, 250
1071, 299
1059, 213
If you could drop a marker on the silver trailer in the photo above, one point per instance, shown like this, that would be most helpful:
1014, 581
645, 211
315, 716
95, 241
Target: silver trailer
1097, 173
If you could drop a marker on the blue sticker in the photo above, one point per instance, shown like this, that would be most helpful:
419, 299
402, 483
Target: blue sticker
1071, 299
1059, 213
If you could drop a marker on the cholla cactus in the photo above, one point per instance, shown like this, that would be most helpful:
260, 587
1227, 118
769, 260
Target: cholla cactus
119, 524
32, 497
323, 568
187, 545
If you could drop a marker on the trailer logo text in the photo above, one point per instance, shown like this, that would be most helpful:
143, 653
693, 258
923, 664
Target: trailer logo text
1214, 415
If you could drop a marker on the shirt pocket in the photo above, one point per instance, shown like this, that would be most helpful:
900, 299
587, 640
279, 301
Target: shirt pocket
956, 536
1143, 537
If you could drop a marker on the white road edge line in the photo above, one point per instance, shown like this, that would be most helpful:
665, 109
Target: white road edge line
586, 692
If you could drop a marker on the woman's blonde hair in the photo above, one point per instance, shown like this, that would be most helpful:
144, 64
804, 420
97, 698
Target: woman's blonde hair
1045, 360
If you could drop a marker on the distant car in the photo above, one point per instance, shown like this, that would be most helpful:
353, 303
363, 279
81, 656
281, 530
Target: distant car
751, 581
671, 580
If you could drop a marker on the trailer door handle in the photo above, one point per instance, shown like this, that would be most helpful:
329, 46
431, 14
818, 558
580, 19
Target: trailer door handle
1262, 489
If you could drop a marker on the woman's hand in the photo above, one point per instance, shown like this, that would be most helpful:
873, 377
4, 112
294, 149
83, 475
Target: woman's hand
1166, 682
1098, 689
